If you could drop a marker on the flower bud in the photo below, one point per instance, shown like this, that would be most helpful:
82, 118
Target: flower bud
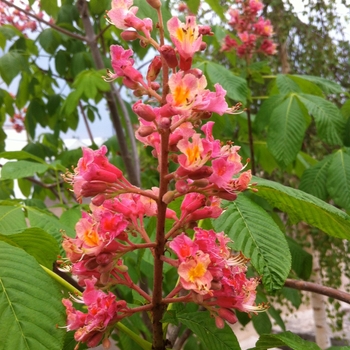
164, 123
154, 68
169, 55
129, 35
167, 111
203, 172
181, 186
203, 46
205, 30
145, 131
156, 4
168, 197
144, 111
98, 200
155, 86
219, 322
227, 315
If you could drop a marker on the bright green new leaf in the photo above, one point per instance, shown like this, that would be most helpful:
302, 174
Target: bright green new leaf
286, 130
30, 304
37, 243
22, 168
301, 206
314, 179
268, 341
256, 234
201, 324
329, 121
90, 82
338, 179
236, 87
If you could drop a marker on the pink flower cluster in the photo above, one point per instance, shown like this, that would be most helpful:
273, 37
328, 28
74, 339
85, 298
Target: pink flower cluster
206, 171
216, 278
103, 311
253, 31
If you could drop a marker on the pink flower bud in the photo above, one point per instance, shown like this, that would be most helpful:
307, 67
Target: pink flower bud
205, 30
99, 199
181, 186
169, 55
203, 46
154, 68
129, 35
156, 4
217, 273
226, 195
145, 131
144, 111
164, 123
203, 172
215, 285
201, 183
155, 86
167, 111
227, 315
219, 322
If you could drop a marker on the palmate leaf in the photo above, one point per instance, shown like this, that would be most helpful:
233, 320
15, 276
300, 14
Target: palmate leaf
329, 121
201, 324
268, 341
328, 86
286, 130
263, 116
37, 243
338, 179
256, 234
301, 206
236, 87
30, 304
21, 168
286, 85
314, 179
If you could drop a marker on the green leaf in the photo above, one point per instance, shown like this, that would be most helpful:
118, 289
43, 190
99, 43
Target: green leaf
329, 121
286, 85
263, 116
262, 323
90, 82
268, 341
201, 324
236, 87
314, 179
71, 102
293, 295
329, 87
12, 219
193, 5
50, 40
98, 7
301, 206
21, 168
50, 7
25, 186
217, 8
338, 179
286, 130
306, 86
37, 243
11, 64
301, 260
30, 304
49, 223
256, 234
18, 155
